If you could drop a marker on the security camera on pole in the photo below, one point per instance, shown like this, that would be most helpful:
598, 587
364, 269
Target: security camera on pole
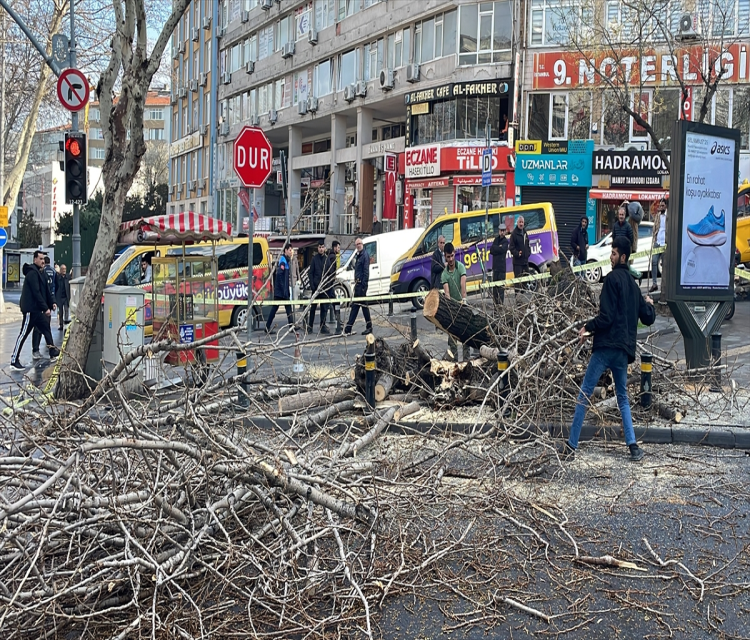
252, 164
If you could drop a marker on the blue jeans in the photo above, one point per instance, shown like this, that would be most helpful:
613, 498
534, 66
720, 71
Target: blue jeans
655, 265
616, 360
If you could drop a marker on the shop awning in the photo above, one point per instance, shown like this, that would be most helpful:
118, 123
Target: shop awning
186, 226
627, 194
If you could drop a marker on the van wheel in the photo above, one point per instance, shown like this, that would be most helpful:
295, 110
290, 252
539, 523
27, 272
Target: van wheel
532, 285
239, 317
340, 293
730, 315
420, 286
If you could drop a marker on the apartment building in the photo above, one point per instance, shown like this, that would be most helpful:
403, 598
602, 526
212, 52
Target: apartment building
381, 107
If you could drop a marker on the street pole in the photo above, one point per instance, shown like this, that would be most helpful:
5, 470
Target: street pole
3, 276
250, 232
486, 211
76, 266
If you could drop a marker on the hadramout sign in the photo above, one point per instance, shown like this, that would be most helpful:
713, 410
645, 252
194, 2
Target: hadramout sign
422, 162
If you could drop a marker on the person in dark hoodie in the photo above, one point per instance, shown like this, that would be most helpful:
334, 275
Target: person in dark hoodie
499, 252
579, 243
281, 288
37, 306
317, 273
520, 250
615, 329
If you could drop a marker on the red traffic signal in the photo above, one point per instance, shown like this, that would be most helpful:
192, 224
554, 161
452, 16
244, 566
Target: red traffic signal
75, 168
73, 147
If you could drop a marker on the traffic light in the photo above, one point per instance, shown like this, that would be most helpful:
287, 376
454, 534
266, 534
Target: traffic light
75, 168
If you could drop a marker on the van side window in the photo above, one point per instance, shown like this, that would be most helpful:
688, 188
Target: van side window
472, 228
533, 219
372, 251
429, 244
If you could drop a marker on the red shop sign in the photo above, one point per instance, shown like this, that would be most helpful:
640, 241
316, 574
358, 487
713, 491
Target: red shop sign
470, 159
428, 184
473, 180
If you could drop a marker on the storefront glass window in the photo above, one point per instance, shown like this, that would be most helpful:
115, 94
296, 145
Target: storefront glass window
538, 116
559, 109
348, 68
459, 119
423, 209
471, 198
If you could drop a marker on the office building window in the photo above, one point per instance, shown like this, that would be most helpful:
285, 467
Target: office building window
348, 68
348, 8
94, 113
485, 33
323, 78
374, 59
434, 38
285, 31
324, 14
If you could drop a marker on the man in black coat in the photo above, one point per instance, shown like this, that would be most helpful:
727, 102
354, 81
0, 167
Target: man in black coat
281, 288
37, 306
437, 264
329, 281
499, 252
361, 282
62, 296
317, 273
615, 329
579, 243
520, 250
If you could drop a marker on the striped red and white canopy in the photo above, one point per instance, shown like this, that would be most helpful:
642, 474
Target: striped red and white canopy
186, 226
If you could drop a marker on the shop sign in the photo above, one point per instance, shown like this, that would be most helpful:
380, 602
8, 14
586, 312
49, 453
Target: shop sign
396, 145
188, 143
429, 184
557, 170
470, 159
482, 88
422, 162
459, 181
529, 146
554, 146
631, 167
564, 69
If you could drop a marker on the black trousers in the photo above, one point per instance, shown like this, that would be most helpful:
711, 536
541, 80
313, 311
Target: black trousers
323, 310
272, 315
33, 320
356, 306
498, 293
520, 270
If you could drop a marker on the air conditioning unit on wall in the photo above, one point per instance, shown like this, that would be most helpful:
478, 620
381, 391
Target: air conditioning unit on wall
412, 73
387, 79
312, 104
350, 93
687, 27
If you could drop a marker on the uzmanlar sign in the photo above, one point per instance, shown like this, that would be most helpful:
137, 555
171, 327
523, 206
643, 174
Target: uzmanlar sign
703, 213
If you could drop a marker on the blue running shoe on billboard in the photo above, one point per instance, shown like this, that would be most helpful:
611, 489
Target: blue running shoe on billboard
709, 232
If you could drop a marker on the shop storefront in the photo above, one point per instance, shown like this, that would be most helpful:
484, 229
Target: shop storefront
558, 172
626, 174
447, 177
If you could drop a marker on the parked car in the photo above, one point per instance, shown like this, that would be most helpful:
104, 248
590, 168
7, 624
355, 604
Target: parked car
602, 249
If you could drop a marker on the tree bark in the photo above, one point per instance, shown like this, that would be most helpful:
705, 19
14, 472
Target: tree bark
465, 323
315, 398
133, 68
383, 387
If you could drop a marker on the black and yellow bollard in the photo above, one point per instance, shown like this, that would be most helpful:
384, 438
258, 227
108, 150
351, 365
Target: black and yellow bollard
390, 306
716, 362
370, 375
242, 394
503, 362
646, 384
413, 318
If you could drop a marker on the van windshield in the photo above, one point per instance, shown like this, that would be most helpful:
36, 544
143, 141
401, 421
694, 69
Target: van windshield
122, 259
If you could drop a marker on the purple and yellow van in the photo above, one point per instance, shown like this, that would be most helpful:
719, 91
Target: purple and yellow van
411, 272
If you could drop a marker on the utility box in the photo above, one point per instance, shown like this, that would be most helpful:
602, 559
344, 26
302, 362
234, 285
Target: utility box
123, 328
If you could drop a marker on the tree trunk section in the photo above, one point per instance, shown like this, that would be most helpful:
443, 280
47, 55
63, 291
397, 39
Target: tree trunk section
291, 404
462, 321
383, 387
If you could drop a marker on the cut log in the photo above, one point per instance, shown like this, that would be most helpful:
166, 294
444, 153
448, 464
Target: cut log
319, 418
489, 353
315, 398
465, 323
406, 410
383, 387
667, 412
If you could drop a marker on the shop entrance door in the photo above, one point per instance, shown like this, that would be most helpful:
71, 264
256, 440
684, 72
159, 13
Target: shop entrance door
423, 207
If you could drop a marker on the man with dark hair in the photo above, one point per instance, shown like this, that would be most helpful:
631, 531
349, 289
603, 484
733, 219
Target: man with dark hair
520, 249
621, 306
37, 306
145, 269
317, 273
336, 249
499, 252
438, 263
622, 228
281, 290
361, 282
51, 277
579, 243
454, 286
62, 296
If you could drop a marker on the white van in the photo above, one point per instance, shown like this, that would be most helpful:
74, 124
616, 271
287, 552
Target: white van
384, 249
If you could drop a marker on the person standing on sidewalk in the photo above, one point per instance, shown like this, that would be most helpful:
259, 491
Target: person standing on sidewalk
37, 305
659, 240
281, 289
62, 296
579, 243
438, 263
329, 282
317, 274
454, 286
51, 278
520, 250
499, 253
361, 282
615, 328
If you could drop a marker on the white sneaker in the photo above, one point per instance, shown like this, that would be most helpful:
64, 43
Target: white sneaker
36, 355
17, 366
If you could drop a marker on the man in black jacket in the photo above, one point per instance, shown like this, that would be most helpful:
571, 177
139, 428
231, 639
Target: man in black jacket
499, 252
329, 281
361, 282
317, 273
438, 264
621, 306
579, 243
36, 305
62, 296
520, 250
281, 288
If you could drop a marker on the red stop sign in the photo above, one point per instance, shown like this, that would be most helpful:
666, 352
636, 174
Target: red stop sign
252, 157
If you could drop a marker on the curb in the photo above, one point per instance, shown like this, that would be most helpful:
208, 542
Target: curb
720, 437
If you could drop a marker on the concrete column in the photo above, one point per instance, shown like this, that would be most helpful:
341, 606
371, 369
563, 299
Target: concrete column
379, 198
295, 177
338, 174
364, 137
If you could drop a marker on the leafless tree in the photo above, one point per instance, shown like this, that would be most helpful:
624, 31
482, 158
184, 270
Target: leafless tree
155, 164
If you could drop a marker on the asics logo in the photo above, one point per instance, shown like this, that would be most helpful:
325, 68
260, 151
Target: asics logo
722, 149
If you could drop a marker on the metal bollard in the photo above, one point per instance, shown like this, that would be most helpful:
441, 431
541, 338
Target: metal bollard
646, 384
390, 307
413, 318
716, 361
503, 362
242, 397
370, 376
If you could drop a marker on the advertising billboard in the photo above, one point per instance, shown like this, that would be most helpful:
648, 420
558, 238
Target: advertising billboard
703, 208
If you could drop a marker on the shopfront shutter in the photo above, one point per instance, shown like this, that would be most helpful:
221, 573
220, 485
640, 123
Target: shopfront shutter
442, 199
569, 204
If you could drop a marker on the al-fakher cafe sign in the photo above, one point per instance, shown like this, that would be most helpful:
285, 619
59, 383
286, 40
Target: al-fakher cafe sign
458, 90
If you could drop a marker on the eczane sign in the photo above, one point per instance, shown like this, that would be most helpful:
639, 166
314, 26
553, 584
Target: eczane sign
422, 162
